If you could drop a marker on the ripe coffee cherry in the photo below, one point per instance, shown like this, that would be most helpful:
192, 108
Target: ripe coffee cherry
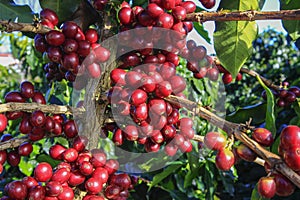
168, 4
117, 76
98, 158
157, 106
38, 97
101, 174
93, 186
263, 136
40, 43
165, 20
70, 155
215, 140
295, 90
163, 89
189, 6
56, 151
102, 54
178, 84
111, 166
43, 172
70, 46
224, 159
213, 74
227, 78
37, 192
3, 122
246, 153
29, 182
266, 187
284, 187
171, 149
37, 118
148, 84
292, 158
91, 35
179, 13
154, 10
131, 133
86, 168
50, 15
67, 194
27, 89
17, 190
53, 189
76, 178
290, 136
70, 29
138, 97
55, 38
208, 3
54, 54
14, 97
70, 129
133, 79
80, 143
13, 158
125, 15
61, 175
70, 61
94, 70
186, 146
112, 191
25, 149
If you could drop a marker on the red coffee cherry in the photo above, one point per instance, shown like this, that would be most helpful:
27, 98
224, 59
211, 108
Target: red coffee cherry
263, 136
224, 159
246, 153
93, 185
215, 140
27, 89
43, 172
17, 190
266, 187
3, 122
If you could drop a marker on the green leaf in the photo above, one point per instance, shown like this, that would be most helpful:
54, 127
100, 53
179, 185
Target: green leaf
11, 11
48, 159
270, 114
166, 172
63, 8
255, 195
177, 195
233, 40
256, 112
274, 148
27, 166
291, 26
202, 32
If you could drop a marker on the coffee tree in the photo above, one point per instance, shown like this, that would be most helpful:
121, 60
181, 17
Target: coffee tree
118, 102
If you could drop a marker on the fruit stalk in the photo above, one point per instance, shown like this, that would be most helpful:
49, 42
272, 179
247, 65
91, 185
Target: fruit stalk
250, 15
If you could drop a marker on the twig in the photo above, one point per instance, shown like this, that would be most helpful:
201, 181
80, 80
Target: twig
9, 26
12, 143
250, 15
267, 82
30, 107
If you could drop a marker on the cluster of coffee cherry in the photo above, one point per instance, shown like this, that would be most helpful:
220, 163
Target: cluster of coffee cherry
208, 3
289, 150
70, 51
142, 114
285, 96
89, 171
202, 65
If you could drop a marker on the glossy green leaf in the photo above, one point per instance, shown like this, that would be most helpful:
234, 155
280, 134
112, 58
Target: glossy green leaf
48, 159
270, 114
11, 11
233, 40
202, 32
255, 195
27, 166
166, 172
275, 145
291, 26
256, 112
63, 8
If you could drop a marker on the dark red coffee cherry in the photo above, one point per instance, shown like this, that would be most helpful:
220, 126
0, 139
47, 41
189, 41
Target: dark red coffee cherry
37, 118
125, 15
49, 15
91, 35
25, 149
27, 89
17, 190
13, 158
70, 29
55, 38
